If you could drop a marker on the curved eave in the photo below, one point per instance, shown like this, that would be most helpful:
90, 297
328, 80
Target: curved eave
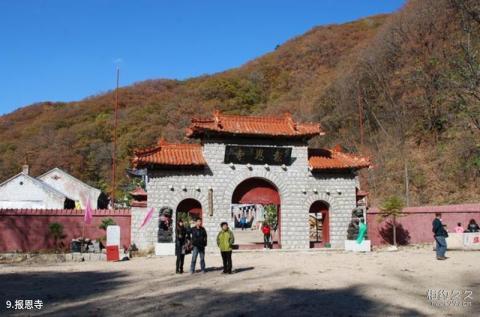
152, 166
336, 169
207, 132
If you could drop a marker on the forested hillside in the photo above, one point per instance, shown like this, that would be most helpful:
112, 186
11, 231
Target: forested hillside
413, 77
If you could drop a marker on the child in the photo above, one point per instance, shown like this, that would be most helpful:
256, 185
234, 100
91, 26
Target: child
225, 241
266, 235
459, 228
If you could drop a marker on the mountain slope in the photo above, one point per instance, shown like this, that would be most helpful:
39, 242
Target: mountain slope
412, 74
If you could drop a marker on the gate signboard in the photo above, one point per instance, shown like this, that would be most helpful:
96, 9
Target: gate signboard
239, 154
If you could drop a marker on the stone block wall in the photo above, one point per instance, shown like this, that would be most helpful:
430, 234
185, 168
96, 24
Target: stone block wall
297, 186
146, 236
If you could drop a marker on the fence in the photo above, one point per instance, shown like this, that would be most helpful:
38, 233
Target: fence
415, 226
27, 229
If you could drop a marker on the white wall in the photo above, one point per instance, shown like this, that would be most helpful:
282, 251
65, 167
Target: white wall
22, 192
71, 187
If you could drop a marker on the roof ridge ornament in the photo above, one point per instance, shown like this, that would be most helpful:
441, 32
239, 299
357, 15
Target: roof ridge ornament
216, 117
288, 116
162, 142
338, 148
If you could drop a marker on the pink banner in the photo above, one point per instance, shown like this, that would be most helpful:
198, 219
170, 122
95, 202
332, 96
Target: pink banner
88, 213
147, 217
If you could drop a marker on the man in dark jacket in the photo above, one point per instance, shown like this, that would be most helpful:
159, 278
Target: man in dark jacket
440, 234
199, 242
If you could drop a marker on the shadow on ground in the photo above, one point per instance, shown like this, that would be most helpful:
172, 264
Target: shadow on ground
55, 288
95, 294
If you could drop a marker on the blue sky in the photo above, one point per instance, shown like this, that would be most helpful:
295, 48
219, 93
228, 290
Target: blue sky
68, 50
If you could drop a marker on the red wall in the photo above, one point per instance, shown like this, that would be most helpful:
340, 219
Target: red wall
191, 206
256, 191
416, 225
27, 229
321, 206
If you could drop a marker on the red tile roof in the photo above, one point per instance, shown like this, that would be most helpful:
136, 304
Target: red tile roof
334, 159
139, 197
167, 154
139, 191
283, 126
361, 193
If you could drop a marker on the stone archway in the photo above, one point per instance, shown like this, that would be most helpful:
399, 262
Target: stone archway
264, 198
189, 209
319, 223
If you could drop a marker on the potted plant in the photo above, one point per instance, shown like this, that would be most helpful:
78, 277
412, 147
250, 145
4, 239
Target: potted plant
392, 208
55, 230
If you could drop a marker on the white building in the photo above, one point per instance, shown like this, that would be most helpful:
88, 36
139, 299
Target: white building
55, 189
73, 187
243, 167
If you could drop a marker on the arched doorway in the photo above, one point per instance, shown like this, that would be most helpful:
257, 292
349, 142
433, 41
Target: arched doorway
254, 201
319, 224
189, 210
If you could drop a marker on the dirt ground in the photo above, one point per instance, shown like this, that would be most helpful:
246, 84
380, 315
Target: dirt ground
265, 283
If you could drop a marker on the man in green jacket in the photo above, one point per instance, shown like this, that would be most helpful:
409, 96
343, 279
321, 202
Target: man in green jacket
225, 241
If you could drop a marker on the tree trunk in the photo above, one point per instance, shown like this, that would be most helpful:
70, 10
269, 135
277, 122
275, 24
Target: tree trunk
407, 196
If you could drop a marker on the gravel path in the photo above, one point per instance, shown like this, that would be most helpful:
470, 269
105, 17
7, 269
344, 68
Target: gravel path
268, 283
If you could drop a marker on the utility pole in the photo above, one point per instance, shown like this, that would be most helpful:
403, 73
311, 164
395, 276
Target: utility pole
360, 116
362, 142
407, 199
114, 154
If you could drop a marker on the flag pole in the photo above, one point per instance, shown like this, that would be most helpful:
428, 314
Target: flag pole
114, 154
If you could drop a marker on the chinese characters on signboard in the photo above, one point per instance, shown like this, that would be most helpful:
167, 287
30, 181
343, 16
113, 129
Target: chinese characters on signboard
258, 155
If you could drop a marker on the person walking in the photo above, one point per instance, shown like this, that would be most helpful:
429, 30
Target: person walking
225, 241
199, 242
266, 235
440, 235
180, 245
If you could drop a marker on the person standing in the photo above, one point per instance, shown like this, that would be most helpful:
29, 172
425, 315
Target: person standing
199, 242
243, 222
225, 241
180, 245
440, 235
266, 235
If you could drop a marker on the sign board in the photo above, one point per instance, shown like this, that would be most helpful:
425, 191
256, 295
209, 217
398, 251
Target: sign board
471, 240
113, 253
113, 235
352, 245
165, 249
239, 154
